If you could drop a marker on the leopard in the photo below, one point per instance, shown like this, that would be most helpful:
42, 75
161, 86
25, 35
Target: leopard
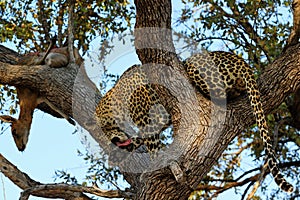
131, 114
219, 75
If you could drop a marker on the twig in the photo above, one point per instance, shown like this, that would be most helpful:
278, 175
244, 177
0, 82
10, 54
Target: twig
256, 185
70, 31
3, 187
246, 190
295, 33
257, 179
229, 185
60, 22
244, 24
264, 172
44, 21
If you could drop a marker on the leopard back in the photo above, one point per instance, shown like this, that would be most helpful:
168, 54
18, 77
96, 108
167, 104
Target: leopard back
225, 75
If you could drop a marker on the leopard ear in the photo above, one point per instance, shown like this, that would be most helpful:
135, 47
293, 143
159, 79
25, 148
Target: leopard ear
7, 118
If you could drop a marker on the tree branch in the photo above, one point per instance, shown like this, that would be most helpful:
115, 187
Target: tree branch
8, 56
45, 24
71, 31
228, 184
65, 191
254, 189
295, 33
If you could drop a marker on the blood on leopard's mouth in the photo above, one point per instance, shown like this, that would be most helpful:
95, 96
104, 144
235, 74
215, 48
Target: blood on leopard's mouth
124, 144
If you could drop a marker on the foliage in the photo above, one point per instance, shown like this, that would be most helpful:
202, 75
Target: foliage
257, 29
8, 102
30, 24
98, 173
7, 94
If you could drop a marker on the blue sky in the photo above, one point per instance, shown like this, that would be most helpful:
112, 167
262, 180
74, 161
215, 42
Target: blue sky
51, 146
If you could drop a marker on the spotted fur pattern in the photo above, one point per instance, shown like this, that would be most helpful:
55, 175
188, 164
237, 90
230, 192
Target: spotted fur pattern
221, 75
131, 115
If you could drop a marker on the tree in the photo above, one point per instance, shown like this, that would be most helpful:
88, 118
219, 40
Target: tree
184, 173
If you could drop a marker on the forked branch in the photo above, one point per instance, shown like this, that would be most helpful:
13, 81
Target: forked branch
295, 33
64, 191
252, 180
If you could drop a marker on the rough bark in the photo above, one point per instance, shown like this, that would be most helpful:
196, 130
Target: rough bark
200, 135
200, 139
69, 89
8, 56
